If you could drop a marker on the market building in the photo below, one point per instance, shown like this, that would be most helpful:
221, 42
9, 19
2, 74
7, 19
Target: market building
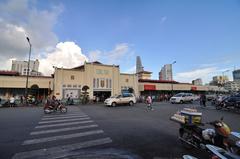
13, 84
103, 81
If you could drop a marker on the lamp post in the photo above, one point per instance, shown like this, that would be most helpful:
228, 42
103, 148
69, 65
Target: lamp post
26, 89
172, 75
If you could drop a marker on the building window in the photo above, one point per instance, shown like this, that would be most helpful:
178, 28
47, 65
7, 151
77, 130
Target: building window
69, 85
127, 80
63, 85
106, 83
79, 86
102, 83
94, 82
110, 83
75, 86
72, 77
97, 83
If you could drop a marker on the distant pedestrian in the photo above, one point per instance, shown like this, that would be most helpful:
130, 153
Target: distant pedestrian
203, 100
149, 102
21, 100
12, 101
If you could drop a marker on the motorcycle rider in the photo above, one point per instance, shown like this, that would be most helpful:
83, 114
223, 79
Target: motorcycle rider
54, 102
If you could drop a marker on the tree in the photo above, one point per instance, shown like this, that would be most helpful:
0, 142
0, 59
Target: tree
85, 94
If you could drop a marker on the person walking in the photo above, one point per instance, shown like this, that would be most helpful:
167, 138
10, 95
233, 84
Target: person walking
12, 101
203, 100
149, 102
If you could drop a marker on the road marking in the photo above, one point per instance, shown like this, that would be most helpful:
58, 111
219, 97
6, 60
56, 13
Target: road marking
62, 115
67, 117
62, 129
64, 120
54, 152
61, 137
63, 124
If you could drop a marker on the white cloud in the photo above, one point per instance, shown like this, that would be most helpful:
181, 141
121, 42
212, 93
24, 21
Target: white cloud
204, 73
18, 19
121, 52
131, 70
94, 55
66, 54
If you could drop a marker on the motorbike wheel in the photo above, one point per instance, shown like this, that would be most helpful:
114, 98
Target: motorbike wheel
47, 111
187, 137
63, 110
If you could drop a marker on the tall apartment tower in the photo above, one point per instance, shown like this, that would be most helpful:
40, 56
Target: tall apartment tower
139, 67
166, 73
22, 67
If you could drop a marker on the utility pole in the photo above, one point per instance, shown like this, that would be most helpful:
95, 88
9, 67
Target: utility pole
26, 89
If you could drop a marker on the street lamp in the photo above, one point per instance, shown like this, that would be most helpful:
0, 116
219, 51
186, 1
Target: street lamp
172, 75
26, 90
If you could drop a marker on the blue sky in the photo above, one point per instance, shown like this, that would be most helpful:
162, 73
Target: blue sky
202, 36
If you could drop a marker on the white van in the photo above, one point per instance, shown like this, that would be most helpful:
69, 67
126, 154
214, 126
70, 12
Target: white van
183, 98
127, 98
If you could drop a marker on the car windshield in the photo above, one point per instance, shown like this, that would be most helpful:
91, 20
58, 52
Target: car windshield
178, 95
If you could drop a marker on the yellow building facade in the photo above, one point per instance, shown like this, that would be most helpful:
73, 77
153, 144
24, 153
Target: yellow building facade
102, 80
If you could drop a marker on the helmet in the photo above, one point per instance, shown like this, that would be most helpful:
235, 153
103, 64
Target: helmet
223, 129
208, 134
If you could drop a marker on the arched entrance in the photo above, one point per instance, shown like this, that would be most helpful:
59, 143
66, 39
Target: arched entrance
34, 90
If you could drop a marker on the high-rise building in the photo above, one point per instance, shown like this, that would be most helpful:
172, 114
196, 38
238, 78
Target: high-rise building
236, 75
166, 73
219, 80
197, 82
139, 67
232, 85
22, 67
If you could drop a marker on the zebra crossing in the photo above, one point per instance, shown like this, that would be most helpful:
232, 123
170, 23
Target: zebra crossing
58, 135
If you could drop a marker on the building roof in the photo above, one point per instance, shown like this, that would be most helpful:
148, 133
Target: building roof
147, 72
15, 73
9, 73
156, 81
94, 63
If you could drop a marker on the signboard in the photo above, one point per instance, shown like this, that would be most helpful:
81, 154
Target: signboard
149, 87
72, 93
193, 88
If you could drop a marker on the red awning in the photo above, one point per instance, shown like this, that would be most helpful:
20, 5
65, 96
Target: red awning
149, 87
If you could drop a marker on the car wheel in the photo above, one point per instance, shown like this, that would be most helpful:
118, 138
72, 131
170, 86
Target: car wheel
131, 103
181, 101
113, 104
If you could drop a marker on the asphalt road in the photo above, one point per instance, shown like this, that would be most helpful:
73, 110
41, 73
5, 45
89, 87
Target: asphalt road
91, 131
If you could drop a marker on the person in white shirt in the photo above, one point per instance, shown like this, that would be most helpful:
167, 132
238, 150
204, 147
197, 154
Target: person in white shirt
12, 101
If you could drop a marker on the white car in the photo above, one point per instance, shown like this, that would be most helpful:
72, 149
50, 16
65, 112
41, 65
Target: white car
127, 98
183, 98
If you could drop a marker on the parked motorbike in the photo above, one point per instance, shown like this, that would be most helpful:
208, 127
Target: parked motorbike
194, 136
232, 102
220, 153
54, 107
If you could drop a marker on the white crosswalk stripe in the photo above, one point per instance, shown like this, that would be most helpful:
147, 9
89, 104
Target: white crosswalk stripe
62, 129
65, 117
71, 128
61, 137
63, 124
64, 120
58, 150
62, 115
